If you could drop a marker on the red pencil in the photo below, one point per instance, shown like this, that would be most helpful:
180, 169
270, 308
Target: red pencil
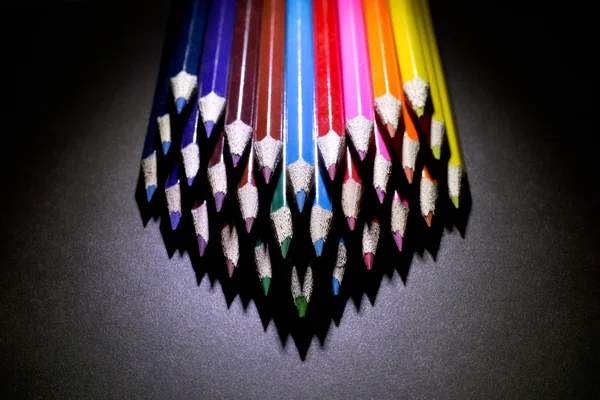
352, 191
217, 173
370, 240
247, 193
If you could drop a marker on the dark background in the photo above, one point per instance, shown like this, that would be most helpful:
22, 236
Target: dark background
91, 304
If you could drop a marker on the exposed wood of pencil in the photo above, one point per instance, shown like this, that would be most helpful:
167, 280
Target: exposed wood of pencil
247, 193
217, 173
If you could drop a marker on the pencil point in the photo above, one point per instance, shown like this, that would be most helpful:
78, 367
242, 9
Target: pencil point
362, 154
175, 217
166, 146
209, 126
301, 305
336, 286
249, 222
285, 246
454, 201
180, 104
369, 260
150, 192
351, 223
390, 129
300, 199
219, 199
420, 111
190, 181
235, 159
380, 194
409, 172
331, 171
266, 283
266, 171
201, 245
428, 219
437, 152
319, 247
398, 240
230, 268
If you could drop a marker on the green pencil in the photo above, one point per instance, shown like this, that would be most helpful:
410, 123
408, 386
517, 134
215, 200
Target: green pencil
281, 216
263, 264
302, 294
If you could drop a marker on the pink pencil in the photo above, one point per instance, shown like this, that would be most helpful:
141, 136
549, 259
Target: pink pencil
356, 75
382, 168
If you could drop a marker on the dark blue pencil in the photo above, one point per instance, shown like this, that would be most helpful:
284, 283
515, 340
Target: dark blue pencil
190, 151
173, 195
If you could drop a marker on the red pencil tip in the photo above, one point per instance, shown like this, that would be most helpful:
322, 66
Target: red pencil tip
332, 170
266, 171
409, 172
428, 219
230, 268
249, 222
351, 223
390, 128
369, 260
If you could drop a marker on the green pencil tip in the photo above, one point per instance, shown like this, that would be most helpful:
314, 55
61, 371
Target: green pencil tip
420, 111
266, 283
437, 152
258, 243
301, 305
454, 201
285, 246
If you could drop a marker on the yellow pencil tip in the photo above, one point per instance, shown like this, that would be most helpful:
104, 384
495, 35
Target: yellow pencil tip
454, 201
437, 152
420, 111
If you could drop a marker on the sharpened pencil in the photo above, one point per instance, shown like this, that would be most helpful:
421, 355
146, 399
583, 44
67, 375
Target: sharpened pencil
269, 88
328, 90
428, 195
321, 214
200, 219
173, 195
370, 241
184, 80
217, 173
281, 215
382, 167
352, 191
399, 218
190, 151
239, 113
410, 54
231, 247
356, 75
247, 193
302, 294
214, 65
340, 267
299, 89
263, 264
385, 75
406, 146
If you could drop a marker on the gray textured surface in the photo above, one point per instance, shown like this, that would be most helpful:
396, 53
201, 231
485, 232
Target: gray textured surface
91, 306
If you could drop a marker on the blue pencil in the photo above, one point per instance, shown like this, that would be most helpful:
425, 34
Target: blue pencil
214, 65
299, 86
187, 54
190, 151
173, 195
340, 267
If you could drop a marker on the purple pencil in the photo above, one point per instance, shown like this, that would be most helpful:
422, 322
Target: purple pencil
190, 151
173, 195
200, 218
214, 66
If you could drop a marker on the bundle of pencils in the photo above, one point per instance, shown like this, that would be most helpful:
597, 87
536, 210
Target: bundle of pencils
304, 89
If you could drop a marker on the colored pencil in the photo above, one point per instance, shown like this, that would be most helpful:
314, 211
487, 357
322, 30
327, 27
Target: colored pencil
382, 167
400, 211
340, 267
329, 92
217, 173
269, 88
352, 191
385, 75
247, 193
370, 241
281, 215
184, 80
231, 247
321, 214
239, 113
299, 87
410, 54
356, 75
263, 264
302, 294
428, 195
200, 219
214, 65
190, 151
456, 165
173, 195
407, 146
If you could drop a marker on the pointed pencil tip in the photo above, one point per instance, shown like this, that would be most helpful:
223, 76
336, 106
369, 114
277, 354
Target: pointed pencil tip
409, 172
175, 217
266, 171
454, 201
437, 152
249, 222
150, 192
362, 154
235, 160
300, 199
230, 268
336, 286
331, 171
266, 284
285, 246
166, 146
190, 181
180, 104
201, 245
219, 199
428, 219
209, 126
319, 247
420, 111
351, 223
368, 258
380, 194
390, 129
398, 240
301, 305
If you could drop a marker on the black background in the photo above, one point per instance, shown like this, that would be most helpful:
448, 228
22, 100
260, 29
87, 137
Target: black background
93, 306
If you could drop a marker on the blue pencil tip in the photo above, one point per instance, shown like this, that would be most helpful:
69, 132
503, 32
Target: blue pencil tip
166, 146
190, 181
209, 126
319, 247
175, 217
336, 286
180, 104
300, 199
150, 192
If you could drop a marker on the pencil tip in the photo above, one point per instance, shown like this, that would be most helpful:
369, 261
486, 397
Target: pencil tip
454, 201
331, 171
249, 222
409, 172
398, 240
390, 128
351, 223
175, 217
235, 159
266, 171
380, 194
150, 192
180, 104
219, 199
437, 152
201, 245
166, 146
362, 154
319, 247
336, 286
428, 219
300, 199
209, 126
420, 111
190, 181
301, 305
230, 268
285, 246
369, 260
266, 284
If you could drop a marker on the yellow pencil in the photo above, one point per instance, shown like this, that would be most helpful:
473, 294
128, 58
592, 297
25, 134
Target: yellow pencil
456, 166
437, 127
410, 53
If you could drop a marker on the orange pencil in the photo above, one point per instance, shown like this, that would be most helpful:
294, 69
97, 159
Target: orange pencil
407, 146
385, 74
428, 195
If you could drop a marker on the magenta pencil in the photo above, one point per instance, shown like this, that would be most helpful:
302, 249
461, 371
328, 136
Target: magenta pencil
399, 218
382, 168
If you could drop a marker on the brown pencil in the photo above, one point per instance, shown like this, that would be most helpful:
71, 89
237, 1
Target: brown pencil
217, 173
